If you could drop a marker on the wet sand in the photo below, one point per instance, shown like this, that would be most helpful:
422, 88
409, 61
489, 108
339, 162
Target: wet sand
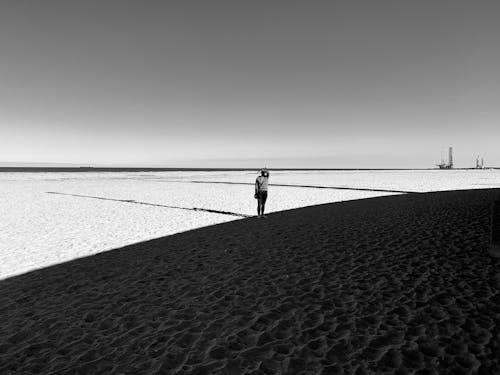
401, 284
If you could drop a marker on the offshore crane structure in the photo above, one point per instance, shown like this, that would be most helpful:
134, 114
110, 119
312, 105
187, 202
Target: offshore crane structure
448, 165
479, 163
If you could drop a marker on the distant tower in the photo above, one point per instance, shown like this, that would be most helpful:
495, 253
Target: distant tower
450, 160
482, 163
477, 163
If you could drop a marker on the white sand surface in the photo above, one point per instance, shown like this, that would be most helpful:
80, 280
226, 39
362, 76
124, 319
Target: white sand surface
405, 180
38, 229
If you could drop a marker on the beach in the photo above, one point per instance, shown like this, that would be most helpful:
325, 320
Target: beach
399, 284
54, 217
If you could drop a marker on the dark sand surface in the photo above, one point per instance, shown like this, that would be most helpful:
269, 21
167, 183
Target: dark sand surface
401, 284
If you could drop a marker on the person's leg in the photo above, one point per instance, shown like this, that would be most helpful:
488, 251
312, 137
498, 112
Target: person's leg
263, 204
259, 204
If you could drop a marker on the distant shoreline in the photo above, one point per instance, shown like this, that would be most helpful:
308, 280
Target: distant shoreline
138, 169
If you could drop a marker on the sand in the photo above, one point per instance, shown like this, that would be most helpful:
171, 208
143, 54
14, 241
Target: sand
401, 284
50, 218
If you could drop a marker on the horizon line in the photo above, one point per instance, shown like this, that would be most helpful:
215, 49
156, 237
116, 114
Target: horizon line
202, 169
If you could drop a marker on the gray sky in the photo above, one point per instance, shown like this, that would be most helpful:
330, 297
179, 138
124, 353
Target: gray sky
232, 83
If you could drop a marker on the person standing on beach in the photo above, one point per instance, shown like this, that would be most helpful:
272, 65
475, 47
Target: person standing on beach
261, 191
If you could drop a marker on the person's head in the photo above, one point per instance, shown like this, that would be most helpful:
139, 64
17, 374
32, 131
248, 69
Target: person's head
264, 172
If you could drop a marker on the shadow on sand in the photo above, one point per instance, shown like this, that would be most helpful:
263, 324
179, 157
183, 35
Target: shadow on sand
153, 204
307, 186
395, 284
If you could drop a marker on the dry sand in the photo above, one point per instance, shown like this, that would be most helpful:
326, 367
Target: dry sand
400, 284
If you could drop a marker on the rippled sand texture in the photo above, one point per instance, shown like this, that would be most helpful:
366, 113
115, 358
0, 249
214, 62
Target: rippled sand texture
385, 285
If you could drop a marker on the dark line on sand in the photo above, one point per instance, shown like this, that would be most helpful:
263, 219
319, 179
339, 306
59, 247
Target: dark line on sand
307, 186
153, 204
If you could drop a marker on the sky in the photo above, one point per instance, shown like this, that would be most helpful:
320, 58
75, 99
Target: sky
330, 84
